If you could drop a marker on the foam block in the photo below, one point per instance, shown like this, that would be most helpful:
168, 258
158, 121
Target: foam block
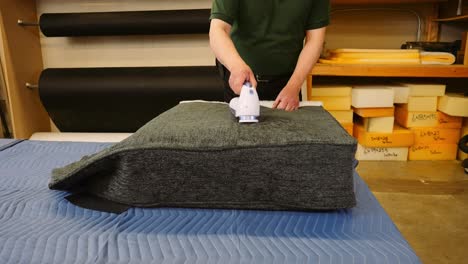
421, 104
429, 136
334, 102
372, 96
400, 137
400, 94
374, 112
381, 154
331, 90
349, 127
454, 105
344, 116
448, 121
433, 152
426, 119
415, 119
424, 89
379, 124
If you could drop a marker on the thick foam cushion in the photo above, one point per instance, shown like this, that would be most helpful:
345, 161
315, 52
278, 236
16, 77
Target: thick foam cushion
198, 155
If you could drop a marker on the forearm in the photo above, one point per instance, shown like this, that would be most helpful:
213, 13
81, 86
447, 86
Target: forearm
224, 48
307, 59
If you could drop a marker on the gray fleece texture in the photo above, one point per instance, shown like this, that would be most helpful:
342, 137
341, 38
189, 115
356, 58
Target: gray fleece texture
198, 155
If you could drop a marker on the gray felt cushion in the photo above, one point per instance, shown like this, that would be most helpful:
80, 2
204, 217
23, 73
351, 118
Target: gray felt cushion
198, 155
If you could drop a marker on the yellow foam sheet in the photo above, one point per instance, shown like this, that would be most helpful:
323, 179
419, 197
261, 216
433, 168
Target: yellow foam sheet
374, 112
400, 137
330, 90
372, 56
386, 51
380, 55
334, 102
433, 152
342, 116
349, 127
378, 61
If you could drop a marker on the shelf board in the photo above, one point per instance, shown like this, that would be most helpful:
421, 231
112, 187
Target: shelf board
463, 18
374, 2
451, 71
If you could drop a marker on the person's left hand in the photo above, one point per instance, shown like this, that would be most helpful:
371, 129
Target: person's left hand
288, 99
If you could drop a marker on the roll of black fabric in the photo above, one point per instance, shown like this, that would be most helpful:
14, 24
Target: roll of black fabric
121, 99
193, 21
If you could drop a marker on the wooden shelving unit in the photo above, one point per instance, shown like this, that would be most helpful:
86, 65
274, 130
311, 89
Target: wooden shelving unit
373, 2
442, 71
432, 22
463, 18
23, 63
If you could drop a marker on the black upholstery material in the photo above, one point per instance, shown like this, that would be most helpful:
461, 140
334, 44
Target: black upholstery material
121, 99
198, 155
194, 21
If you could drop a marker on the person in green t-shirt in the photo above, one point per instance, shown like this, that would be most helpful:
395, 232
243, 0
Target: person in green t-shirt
262, 41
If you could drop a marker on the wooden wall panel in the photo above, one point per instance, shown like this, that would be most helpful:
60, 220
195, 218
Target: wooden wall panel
124, 51
465, 48
432, 27
23, 63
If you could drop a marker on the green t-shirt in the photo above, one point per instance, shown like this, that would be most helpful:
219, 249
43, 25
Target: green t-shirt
269, 34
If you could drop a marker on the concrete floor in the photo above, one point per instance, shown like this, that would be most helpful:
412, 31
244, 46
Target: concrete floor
428, 202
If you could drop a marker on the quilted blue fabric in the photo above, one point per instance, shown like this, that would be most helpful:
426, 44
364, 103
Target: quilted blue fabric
7, 143
38, 225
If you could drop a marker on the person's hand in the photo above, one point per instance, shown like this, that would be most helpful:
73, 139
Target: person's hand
288, 99
239, 75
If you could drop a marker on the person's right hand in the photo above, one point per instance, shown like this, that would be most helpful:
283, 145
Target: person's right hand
239, 75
